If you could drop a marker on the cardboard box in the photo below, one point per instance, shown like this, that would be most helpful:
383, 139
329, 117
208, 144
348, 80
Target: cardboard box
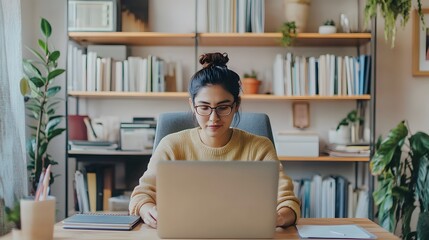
297, 144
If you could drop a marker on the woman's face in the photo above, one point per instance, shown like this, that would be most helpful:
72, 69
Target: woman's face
215, 126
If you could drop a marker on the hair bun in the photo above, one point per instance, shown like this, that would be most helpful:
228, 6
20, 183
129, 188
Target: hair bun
214, 59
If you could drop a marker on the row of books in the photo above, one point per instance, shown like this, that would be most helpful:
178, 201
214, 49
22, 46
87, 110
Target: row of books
235, 15
94, 187
326, 75
92, 72
331, 197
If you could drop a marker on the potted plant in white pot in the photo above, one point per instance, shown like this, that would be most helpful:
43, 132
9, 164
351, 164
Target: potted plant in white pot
401, 165
328, 27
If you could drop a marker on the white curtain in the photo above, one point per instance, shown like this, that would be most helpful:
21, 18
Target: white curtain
13, 173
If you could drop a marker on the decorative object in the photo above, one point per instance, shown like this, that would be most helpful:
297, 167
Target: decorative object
288, 31
345, 23
41, 101
297, 11
328, 27
301, 114
401, 164
391, 11
420, 45
250, 83
353, 121
37, 219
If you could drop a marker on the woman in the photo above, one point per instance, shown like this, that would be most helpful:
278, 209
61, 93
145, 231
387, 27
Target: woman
214, 99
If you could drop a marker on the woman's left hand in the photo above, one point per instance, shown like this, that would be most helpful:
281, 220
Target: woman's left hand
285, 217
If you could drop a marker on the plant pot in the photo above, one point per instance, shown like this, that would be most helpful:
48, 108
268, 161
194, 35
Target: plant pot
327, 29
250, 85
297, 11
37, 219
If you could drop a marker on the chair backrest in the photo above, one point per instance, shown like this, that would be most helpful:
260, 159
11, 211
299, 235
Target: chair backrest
171, 122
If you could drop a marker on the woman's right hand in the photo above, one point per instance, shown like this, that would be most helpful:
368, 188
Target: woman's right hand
149, 214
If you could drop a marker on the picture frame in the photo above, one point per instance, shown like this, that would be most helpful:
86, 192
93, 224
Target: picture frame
301, 114
420, 43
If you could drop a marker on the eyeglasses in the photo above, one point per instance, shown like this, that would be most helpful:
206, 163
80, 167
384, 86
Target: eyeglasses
221, 110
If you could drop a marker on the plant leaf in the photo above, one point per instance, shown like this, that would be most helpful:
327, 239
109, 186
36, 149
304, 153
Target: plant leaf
43, 46
419, 144
55, 73
24, 87
383, 156
54, 56
38, 82
30, 70
46, 28
52, 91
52, 124
37, 54
423, 226
423, 183
55, 133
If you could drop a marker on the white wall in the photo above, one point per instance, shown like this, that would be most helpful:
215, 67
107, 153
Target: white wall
399, 95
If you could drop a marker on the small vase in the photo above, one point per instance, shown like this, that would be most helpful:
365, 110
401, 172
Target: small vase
297, 11
250, 85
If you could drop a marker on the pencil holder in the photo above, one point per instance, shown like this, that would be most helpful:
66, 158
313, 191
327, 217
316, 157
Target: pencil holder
37, 219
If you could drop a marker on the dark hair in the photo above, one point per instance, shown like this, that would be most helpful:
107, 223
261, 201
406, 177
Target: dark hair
215, 72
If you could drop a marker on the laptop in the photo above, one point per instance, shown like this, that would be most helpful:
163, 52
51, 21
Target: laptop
217, 199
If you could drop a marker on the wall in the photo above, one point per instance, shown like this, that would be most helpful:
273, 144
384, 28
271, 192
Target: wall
399, 95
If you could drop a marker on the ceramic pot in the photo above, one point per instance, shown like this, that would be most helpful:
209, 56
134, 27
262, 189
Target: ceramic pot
37, 219
297, 11
250, 85
327, 29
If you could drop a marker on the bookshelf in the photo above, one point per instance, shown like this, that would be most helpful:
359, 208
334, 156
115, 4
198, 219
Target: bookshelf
200, 41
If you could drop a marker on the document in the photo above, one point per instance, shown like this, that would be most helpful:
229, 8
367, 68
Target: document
334, 231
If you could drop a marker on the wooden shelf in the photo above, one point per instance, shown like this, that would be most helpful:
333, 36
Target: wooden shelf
219, 39
134, 38
172, 95
324, 159
274, 39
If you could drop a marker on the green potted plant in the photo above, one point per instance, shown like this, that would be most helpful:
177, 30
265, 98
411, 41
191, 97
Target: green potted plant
38, 87
391, 11
288, 30
401, 165
250, 83
351, 121
328, 27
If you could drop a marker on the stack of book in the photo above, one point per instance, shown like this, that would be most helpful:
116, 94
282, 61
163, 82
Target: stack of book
348, 150
92, 145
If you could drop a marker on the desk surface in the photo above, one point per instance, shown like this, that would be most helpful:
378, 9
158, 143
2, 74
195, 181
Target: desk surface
144, 232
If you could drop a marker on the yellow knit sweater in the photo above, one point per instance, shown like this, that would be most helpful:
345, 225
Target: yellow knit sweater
186, 145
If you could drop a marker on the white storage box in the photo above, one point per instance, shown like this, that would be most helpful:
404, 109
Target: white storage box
297, 144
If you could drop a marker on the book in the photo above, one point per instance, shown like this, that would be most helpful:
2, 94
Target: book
101, 221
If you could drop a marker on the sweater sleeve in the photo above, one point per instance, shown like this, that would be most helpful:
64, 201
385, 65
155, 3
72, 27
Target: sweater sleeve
286, 196
145, 192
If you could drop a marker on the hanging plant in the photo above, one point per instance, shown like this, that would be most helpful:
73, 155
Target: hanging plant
391, 11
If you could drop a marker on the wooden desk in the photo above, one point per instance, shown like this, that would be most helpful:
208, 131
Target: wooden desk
144, 232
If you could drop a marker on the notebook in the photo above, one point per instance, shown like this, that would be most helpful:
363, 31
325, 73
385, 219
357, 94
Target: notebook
100, 221
217, 199
334, 231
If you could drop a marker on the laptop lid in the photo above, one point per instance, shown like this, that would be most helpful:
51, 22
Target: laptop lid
217, 199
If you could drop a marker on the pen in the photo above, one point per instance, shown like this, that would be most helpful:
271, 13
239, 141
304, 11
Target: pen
337, 233
39, 186
46, 182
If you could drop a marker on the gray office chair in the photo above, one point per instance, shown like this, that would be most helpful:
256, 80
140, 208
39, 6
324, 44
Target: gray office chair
256, 123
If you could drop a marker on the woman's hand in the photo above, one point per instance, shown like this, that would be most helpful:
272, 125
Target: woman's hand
285, 217
149, 214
